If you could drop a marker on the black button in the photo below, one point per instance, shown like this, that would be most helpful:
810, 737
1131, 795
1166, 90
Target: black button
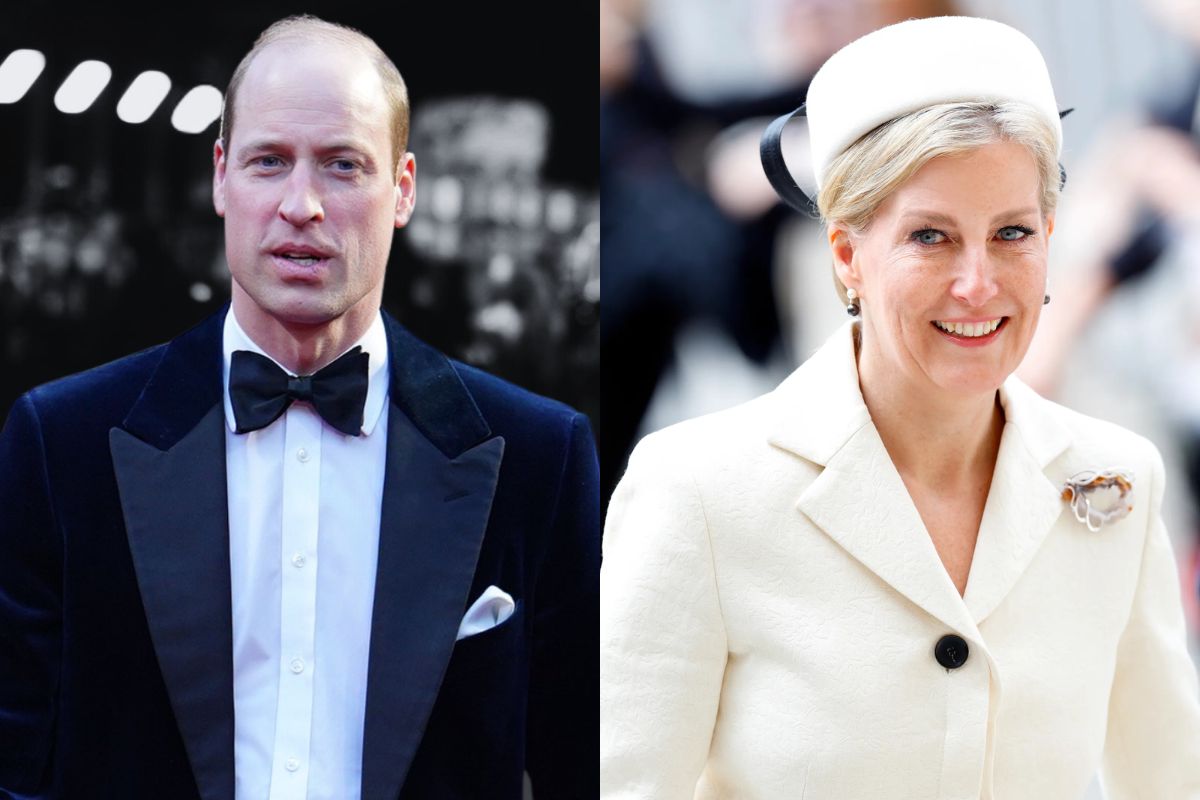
951, 651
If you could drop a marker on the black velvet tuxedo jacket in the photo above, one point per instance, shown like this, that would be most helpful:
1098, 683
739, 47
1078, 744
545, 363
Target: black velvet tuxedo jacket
116, 667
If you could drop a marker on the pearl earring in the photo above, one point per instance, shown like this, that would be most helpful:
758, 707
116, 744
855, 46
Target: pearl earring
852, 308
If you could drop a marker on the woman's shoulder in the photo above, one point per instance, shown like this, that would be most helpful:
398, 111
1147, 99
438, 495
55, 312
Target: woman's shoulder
1085, 440
819, 399
715, 437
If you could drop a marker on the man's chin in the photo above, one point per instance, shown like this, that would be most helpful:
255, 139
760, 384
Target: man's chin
300, 312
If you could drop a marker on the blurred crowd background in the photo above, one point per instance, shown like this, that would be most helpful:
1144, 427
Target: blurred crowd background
108, 239
714, 291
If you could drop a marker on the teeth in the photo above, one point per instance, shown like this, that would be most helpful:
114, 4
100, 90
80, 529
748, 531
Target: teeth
299, 259
969, 329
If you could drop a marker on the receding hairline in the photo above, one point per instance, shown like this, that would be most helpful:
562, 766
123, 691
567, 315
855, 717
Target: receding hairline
305, 28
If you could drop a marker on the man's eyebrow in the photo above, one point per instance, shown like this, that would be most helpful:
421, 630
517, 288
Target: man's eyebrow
343, 145
336, 146
259, 145
264, 144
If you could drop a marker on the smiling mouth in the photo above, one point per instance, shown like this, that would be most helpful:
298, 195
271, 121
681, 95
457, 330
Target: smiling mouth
968, 330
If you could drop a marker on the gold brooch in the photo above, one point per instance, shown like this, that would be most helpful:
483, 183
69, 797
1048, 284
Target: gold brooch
1098, 498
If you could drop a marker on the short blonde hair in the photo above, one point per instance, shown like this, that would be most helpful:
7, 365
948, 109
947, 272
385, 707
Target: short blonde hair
860, 179
305, 27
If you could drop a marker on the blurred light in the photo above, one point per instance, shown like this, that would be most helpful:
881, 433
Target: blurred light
560, 211
502, 319
18, 72
501, 268
446, 198
82, 87
198, 109
201, 292
143, 97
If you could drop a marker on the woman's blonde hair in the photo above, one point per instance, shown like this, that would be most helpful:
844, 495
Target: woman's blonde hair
861, 178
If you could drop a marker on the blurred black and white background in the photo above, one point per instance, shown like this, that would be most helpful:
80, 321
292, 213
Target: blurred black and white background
108, 239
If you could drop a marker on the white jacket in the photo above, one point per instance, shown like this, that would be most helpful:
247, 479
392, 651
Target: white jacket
771, 602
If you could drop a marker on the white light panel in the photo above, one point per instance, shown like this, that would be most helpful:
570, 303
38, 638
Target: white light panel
82, 87
18, 72
143, 97
198, 109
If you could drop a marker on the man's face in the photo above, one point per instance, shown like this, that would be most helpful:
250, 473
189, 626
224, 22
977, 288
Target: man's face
307, 188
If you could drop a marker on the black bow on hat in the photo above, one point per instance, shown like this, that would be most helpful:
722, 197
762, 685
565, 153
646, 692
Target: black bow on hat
770, 151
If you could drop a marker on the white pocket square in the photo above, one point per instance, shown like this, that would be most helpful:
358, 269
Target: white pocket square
493, 607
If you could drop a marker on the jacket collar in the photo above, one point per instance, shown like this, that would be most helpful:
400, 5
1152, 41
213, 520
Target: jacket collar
860, 501
188, 382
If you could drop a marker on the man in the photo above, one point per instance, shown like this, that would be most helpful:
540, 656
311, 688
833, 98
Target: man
295, 552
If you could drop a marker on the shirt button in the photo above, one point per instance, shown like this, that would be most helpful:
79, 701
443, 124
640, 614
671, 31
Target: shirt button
297, 665
298, 560
302, 454
951, 651
292, 764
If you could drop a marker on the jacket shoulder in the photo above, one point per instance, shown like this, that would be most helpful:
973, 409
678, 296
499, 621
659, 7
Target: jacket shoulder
710, 443
503, 403
1099, 442
105, 392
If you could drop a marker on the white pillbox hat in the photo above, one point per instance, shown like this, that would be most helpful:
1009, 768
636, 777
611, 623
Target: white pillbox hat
916, 64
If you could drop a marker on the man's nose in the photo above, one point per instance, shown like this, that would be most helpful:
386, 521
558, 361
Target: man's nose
301, 201
975, 278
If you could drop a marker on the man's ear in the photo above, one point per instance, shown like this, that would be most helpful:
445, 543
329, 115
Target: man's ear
219, 177
842, 246
406, 189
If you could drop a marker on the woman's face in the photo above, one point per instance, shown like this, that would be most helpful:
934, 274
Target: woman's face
952, 271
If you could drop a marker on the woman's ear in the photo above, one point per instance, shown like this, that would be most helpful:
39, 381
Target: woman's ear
841, 245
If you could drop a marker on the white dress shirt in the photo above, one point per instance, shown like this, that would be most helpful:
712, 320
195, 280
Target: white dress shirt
304, 507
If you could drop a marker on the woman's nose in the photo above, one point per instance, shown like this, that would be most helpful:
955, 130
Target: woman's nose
975, 278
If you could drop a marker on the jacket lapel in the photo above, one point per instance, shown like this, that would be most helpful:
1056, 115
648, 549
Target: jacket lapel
860, 501
169, 459
1022, 505
442, 467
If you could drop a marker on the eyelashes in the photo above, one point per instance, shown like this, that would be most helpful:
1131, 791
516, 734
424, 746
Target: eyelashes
1024, 231
929, 237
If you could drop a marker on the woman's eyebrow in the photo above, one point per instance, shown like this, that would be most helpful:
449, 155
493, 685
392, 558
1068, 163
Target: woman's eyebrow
940, 218
936, 217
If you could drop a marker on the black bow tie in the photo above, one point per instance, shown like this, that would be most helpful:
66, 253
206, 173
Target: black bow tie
260, 391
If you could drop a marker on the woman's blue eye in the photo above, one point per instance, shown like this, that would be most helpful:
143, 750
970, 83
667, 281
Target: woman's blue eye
1015, 233
928, 236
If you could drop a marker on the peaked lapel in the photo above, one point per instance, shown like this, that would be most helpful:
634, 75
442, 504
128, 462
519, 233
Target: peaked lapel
442, 468
860, 501
169, 459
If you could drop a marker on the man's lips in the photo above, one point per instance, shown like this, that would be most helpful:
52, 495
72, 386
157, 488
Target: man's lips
295, 250
293, 265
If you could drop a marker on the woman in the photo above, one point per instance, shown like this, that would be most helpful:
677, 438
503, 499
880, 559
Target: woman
902, 574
